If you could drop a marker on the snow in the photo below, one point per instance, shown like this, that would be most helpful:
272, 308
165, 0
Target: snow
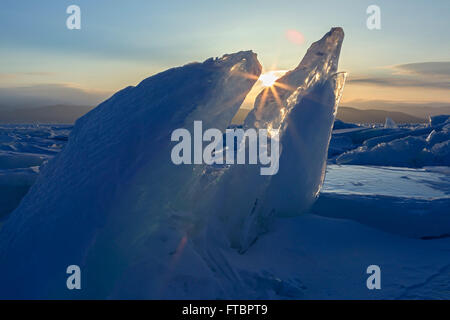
439, 119
140, 227
404, 201
339, 124
313, 257
408, 146
14, 184
426, 183
23, 149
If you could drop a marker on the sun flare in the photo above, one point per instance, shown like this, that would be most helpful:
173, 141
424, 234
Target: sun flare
268, 79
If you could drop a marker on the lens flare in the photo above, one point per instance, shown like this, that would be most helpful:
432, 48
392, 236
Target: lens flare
268, 79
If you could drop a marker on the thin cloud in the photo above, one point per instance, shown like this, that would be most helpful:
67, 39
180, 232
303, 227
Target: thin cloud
434, 69
16, 75
423, 74
399, 82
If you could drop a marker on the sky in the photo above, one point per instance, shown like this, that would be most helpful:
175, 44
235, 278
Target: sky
121, 43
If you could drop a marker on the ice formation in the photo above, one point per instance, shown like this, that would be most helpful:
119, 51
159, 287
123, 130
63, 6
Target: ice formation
139, 226
390, 124
339, 124
407, 146
23, 148
115, 173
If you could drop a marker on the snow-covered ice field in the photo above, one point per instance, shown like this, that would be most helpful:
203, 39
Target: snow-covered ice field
422, 183
23, 149
394, 217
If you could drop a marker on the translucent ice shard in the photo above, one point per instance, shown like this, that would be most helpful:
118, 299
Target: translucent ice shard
305, 148
321, 61
302, 106
390, 124
251, 200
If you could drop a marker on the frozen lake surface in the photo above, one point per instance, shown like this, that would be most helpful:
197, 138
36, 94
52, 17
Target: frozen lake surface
424, 183
394, 217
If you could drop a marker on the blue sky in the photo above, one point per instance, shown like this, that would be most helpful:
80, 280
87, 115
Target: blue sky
122, 42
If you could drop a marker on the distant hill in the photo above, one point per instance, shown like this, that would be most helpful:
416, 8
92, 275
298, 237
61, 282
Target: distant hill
353, 115
48, 114
420, 110
69, 113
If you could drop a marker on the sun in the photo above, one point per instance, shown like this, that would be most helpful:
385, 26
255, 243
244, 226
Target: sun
268, 79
